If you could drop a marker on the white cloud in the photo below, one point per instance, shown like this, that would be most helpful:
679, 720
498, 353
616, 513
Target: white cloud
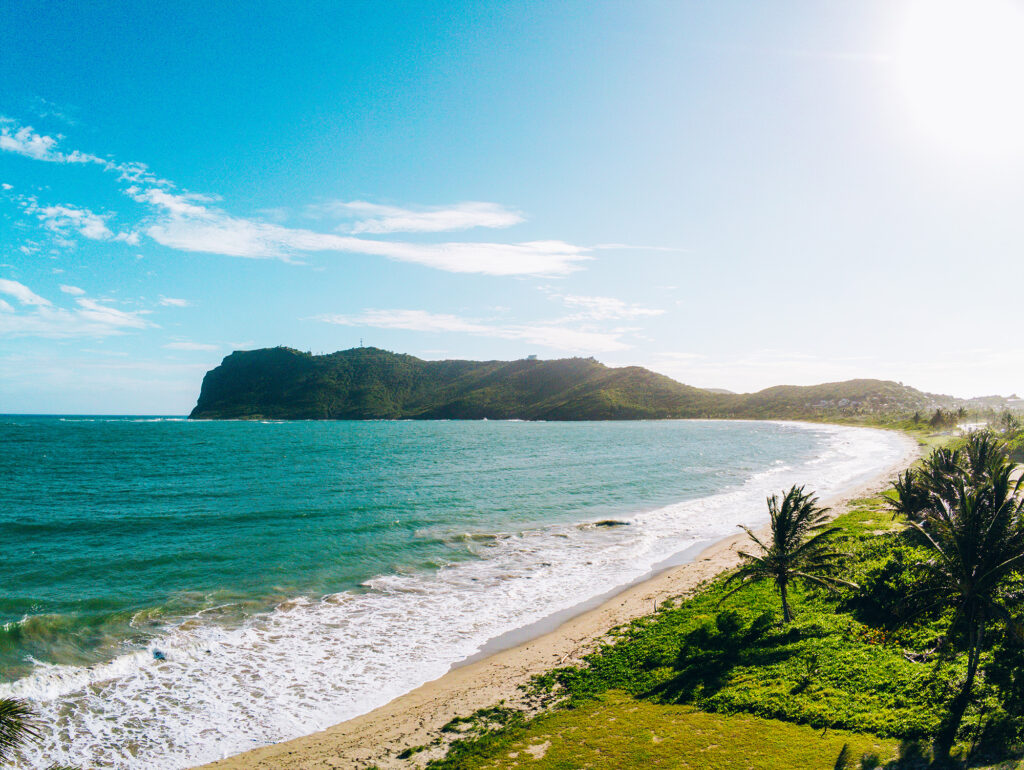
191, 346
89, 318
375, 218
73, 290
62, 219
186, 224
22, 293
551, 335
174, 302
6, 186
25, 141
604, 308
104, 314
5, 306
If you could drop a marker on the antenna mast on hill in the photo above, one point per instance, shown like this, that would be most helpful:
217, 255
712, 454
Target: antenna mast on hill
360, 342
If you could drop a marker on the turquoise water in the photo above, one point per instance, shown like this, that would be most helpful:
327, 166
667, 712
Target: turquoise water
234, 561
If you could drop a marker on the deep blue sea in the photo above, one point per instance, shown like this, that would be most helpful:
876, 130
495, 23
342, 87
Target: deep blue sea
175, 591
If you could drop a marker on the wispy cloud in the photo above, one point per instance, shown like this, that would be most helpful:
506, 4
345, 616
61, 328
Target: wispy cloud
22, 293
72, 290
603, 308
188, 223
39, 317
47, 109
184, 345
550, 335
23, 140
63, 219
635, 247
191, 222
174, 302
104, 314
378, 219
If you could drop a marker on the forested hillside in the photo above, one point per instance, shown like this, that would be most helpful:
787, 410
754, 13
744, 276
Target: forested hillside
369, 383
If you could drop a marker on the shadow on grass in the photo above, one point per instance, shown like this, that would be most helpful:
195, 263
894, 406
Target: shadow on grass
707, 657
916, 755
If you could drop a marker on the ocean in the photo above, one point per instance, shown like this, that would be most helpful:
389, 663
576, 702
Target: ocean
175, 592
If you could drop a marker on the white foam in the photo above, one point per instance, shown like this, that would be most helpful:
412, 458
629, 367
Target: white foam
309, 664
123, 419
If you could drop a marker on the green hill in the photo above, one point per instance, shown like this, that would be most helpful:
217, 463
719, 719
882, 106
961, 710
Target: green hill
369, 383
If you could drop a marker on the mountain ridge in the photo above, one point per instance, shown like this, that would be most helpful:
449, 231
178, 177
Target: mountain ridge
370, 383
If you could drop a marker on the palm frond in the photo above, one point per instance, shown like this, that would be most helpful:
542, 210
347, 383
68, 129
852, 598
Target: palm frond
18, 725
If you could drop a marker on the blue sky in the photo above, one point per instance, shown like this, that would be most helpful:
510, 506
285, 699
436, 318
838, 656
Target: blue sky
736, 194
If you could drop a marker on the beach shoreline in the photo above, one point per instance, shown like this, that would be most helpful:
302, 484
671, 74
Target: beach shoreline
495, 673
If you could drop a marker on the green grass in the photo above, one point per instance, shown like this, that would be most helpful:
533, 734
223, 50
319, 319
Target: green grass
838, 674
617, 731
827, 669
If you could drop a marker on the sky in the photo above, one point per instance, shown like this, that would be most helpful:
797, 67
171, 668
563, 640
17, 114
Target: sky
735, 194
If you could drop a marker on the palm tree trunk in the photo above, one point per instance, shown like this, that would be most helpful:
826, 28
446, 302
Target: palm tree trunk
787, 615
951, 726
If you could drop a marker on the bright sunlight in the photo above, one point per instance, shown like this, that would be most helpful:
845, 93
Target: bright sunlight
961, 66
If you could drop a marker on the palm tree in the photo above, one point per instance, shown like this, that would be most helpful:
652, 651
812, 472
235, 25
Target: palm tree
17, 726
799, 551
982, 457
975, 531
912, 496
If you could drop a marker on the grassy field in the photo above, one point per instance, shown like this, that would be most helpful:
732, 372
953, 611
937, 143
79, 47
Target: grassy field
617, 731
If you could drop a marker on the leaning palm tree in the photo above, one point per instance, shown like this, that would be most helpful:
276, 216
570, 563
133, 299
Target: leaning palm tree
17, 727
976, 538
800, 549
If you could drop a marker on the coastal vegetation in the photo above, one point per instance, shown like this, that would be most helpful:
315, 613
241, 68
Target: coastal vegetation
369, 383
913, 661
798, 551
18, 726
965, 505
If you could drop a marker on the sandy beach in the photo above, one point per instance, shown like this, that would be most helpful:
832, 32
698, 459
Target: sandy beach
376, 738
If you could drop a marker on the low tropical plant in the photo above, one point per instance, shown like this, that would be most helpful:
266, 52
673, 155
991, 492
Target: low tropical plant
800, 549
17, 726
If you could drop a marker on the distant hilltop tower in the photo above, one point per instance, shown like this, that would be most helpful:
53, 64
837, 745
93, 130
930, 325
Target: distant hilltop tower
532, 357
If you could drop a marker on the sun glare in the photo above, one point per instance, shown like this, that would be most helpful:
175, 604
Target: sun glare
961, 67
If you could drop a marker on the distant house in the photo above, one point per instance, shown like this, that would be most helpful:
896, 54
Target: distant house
532, 357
